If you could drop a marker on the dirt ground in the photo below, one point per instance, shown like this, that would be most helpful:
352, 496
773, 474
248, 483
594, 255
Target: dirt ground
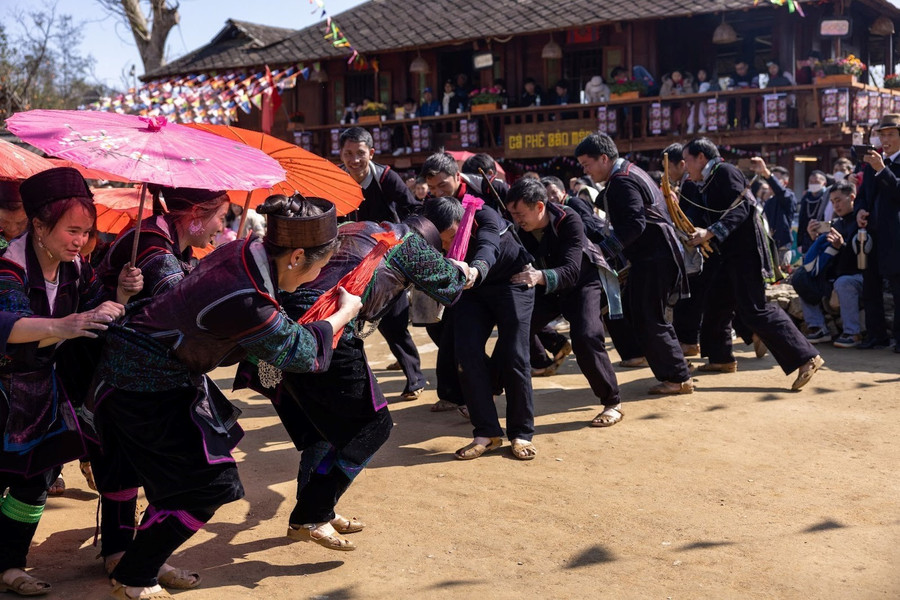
741, 490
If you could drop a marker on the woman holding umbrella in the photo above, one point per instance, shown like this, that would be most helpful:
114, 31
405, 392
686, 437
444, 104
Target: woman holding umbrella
184, 218
154, 403
43, 286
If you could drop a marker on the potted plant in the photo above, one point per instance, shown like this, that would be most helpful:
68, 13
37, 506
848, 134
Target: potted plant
372, 113
892, 81
623, 90
485, 99
840, 71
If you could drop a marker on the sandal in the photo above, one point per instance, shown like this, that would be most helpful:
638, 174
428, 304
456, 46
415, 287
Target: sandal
325, 535
474, 450
807, 371
179, 579
119, 593
58, 488
464, 411
444, 406
88, 473
345, 525
609, 417
666, 388
26, 585
523, 449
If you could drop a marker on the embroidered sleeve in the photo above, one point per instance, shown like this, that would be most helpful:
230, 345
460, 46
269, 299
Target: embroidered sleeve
288, 346
14, 304
552, 280
162, 271
427, 270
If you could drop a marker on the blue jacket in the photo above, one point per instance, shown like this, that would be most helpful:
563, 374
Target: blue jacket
780, 210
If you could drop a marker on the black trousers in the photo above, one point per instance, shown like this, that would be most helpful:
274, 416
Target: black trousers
479, 309
158, 434
16, 536
873, 300
394, 327
739, 285
445, 369
544, 338
652, 283
114, 475
688, 312
581, 308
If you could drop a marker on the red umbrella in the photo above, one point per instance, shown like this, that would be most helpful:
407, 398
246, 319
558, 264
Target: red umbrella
354, 282
18, 163
307, 173
117, 208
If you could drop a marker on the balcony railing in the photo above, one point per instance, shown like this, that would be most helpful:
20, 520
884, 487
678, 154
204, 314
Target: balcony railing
748, 117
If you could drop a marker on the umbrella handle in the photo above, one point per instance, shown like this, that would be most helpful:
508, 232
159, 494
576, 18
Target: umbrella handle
137, 226
240, 231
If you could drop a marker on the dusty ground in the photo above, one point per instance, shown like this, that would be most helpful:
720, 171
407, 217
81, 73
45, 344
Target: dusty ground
742, 490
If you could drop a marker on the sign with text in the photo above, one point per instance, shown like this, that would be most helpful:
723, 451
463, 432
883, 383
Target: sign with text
554, 138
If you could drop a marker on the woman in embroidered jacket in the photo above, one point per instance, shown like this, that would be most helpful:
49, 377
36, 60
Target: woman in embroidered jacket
43, 286
184, 218
153, 401
339, 419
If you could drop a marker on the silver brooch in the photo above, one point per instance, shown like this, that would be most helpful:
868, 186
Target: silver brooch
269, 376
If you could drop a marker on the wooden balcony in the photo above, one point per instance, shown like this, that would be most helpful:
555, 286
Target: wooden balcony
752, 119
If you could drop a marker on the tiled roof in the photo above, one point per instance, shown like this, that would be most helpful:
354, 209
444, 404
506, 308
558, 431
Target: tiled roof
380, 25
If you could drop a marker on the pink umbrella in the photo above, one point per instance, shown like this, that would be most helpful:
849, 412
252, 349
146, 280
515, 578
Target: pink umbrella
148, 150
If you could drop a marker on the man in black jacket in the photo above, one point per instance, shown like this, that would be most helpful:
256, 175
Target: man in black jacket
443, 177
386, 198
639, 217
491, 299
737, 231
878, 210
566, 272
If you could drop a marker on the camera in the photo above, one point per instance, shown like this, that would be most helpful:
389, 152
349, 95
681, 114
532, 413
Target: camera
823, 227
860, 150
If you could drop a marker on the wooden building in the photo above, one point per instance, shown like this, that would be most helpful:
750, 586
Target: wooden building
417, 45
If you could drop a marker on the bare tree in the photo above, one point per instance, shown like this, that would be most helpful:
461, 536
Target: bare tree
150, 30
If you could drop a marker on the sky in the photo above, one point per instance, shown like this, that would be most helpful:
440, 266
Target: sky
112, 44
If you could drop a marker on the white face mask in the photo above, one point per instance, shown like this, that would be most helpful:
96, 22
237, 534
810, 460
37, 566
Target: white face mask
839, 176
815, 188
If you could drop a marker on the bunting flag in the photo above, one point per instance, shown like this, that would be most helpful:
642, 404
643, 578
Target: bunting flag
339, 40
205, 97
793, 5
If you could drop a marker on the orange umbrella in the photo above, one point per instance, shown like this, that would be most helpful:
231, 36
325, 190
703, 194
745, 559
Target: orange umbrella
307, 173
88, 173
354, 282
18, 163
117, 208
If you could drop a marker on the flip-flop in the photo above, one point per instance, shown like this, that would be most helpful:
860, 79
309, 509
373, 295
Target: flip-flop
474, 450
608, 417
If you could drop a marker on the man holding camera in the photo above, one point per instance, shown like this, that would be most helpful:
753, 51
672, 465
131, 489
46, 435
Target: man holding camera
878, 210
831, 256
